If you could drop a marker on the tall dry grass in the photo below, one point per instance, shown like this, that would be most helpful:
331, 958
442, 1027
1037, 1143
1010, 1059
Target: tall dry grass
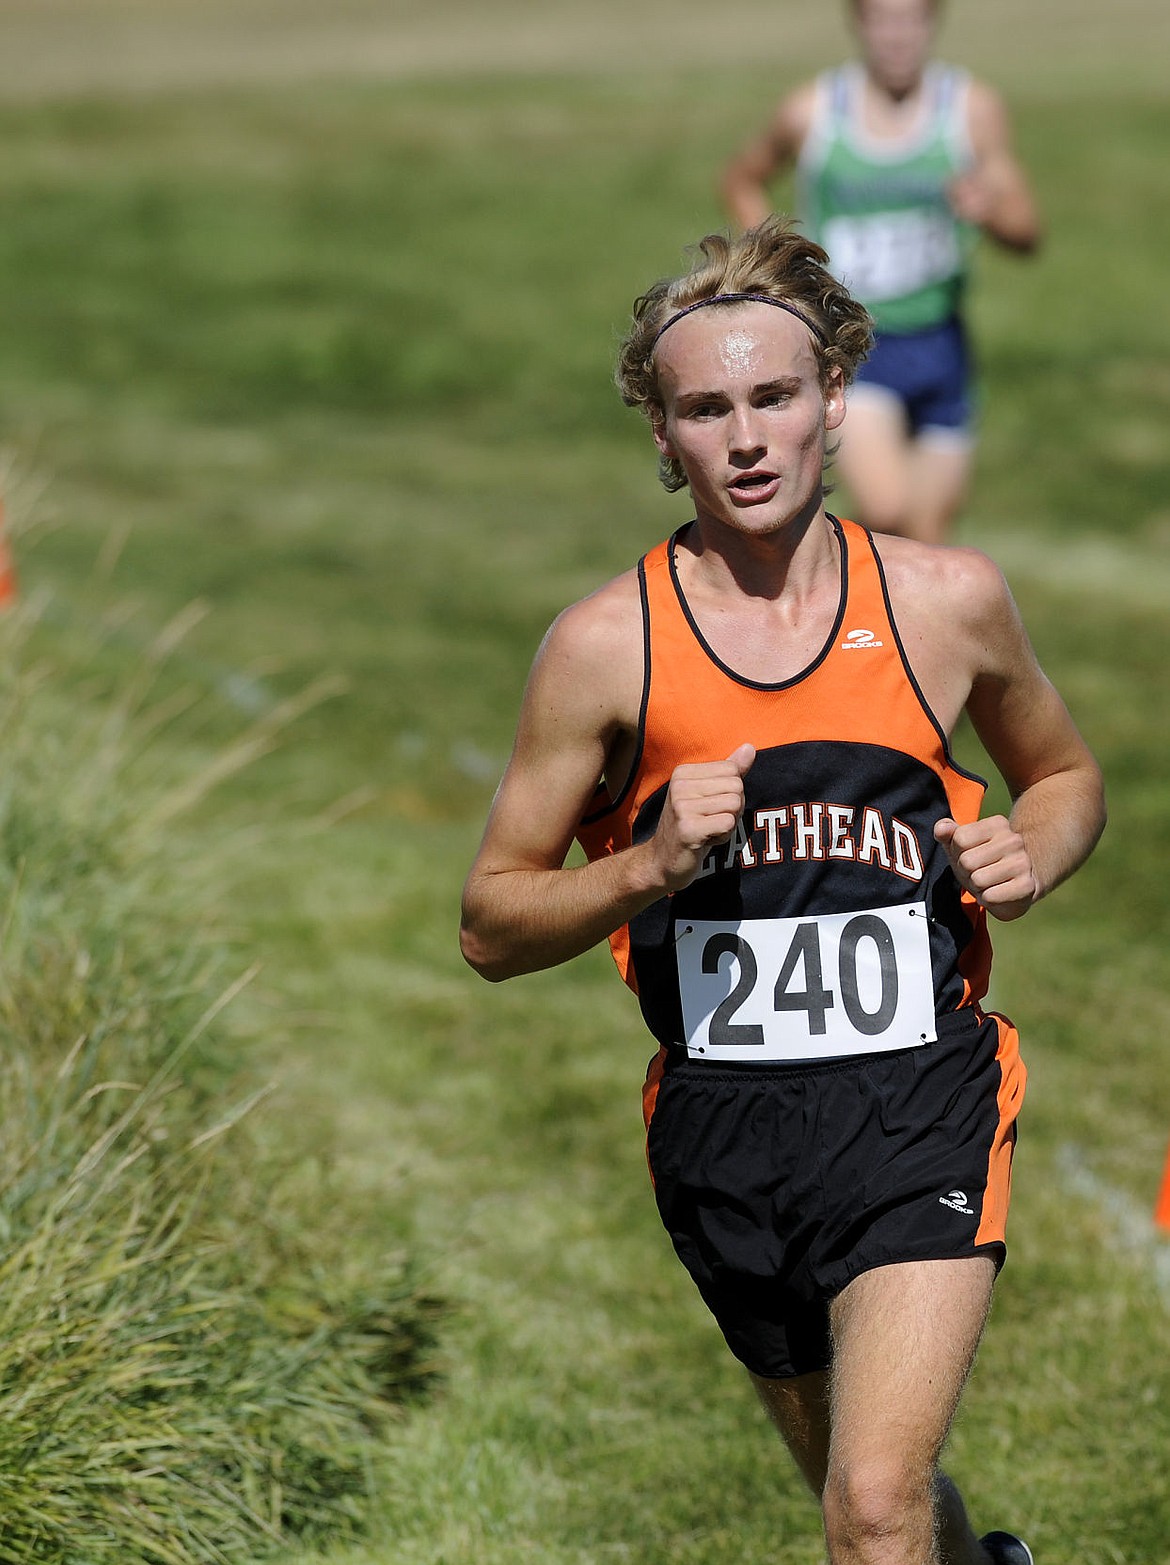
194, 1364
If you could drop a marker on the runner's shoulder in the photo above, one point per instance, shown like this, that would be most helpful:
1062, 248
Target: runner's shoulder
794, 115
954, 584
599, 633
988, 122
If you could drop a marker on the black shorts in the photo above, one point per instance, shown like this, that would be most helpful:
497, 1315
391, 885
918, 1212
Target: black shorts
780, 1184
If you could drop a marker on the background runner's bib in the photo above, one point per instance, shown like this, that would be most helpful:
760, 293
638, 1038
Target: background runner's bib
773, 989
891, 255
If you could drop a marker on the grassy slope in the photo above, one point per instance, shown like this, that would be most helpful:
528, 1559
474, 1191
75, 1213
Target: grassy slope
340, 364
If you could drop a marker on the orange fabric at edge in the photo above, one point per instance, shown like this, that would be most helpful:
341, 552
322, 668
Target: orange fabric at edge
1162, 1210
1013, 1080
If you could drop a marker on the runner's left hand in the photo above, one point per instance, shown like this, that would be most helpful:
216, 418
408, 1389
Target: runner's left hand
991, 861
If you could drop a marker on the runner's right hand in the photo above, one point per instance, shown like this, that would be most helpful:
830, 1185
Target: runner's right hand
703, 803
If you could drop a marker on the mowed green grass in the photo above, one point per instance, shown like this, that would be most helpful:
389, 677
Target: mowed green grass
335, 362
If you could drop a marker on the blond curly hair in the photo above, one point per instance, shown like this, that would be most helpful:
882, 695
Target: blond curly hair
773, 260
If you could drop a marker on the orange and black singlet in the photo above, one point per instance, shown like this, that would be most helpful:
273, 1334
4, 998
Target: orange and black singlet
831, 925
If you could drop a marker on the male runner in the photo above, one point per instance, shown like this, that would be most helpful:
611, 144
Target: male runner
900, 161
749, 733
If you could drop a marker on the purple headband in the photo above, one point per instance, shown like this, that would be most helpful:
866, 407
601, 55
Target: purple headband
742, 298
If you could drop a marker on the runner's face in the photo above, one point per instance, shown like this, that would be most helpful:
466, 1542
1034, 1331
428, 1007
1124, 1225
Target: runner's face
896, 38
745, 414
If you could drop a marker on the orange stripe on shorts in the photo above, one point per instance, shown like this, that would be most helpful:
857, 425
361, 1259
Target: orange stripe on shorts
1013, 1080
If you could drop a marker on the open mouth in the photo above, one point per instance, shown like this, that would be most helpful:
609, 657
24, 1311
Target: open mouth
753, 483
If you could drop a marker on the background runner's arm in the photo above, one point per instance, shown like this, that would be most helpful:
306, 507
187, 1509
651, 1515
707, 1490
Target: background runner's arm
744, 185
995, 194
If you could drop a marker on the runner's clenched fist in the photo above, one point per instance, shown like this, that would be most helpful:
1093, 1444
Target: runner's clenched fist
991, 861
703, 803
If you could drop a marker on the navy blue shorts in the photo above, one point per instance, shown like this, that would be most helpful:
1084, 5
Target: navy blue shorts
930, 372
780, 1184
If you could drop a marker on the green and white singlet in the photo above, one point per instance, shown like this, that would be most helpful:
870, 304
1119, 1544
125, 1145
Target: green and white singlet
880, 207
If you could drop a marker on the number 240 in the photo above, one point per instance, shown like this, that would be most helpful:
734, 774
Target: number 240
814, 999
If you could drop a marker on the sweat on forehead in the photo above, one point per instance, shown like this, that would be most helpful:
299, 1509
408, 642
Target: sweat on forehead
738, 347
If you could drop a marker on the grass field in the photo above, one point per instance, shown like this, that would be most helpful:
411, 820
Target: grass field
307, 319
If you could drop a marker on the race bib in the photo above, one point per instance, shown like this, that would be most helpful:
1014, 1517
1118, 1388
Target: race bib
887, 255
770, 989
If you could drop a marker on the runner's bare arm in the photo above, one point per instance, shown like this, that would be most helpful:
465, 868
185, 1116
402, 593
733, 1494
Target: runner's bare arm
744, 185
967, 645
1058, 809
995, 193
523, 909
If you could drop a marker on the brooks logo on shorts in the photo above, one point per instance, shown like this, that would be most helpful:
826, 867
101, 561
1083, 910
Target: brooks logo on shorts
957, 1201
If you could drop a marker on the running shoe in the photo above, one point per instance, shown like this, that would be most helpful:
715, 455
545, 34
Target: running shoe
1006, 1549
